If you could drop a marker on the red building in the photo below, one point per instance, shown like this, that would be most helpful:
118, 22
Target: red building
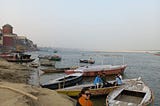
9, 40
7, 29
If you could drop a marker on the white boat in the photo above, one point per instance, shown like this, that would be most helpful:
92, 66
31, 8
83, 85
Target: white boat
133, 93
65, 81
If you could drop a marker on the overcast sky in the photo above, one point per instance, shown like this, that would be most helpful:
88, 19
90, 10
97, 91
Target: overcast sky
86, 24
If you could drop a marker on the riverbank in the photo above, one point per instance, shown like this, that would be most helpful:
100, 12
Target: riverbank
14, 90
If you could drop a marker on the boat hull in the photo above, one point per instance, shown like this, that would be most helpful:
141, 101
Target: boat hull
94, 92
115, 71
86, 61
64, 83
20, 60
133, 93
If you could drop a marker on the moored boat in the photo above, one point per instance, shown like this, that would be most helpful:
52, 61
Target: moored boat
19, 60
65, 81
46, 62
133, 93
90, 61
75, 90
99, 69
52, 70
50, 57
6, 55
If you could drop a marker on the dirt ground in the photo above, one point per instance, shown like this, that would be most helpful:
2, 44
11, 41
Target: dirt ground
14, 90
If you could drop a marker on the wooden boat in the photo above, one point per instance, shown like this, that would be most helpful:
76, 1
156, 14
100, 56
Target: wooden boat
65, 81
50, 57
19, 60
55, 58
52, 70
158, 54
6, 55
56, 70
75, 90
98, 69
46, 62
34, 65
133, 93
90, 61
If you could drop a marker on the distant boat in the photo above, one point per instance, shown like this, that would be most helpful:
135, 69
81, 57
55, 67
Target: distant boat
65, 81
50, 57
99, 69
6, 55
52, 70
133, 93
55, 51
90, 61
75, 90
19, 60
55, 58
158, 54
46, 62
34, 65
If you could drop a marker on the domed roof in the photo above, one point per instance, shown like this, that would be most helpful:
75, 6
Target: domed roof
7, 25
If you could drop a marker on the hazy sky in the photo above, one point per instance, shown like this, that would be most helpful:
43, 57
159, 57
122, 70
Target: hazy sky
86, 24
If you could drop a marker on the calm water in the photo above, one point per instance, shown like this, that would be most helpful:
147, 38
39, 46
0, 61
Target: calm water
142, 65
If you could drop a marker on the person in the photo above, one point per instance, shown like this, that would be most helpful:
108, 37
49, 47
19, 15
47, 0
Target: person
84, 98
120, 76
118, 80
98, 81
105, 82
103, 77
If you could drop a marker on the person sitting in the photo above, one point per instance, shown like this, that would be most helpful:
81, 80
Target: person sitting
118, 80
103, 77
105, 82
120, 76
84, 98
98, 81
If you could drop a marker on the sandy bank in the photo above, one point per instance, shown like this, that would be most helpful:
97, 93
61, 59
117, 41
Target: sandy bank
15, 76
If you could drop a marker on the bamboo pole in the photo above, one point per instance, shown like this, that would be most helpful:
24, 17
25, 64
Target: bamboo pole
19, 91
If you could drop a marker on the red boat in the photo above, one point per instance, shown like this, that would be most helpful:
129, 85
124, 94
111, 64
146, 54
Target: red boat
99, 69
6, 55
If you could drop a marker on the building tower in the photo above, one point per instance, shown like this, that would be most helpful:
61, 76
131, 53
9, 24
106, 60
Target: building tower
7, 29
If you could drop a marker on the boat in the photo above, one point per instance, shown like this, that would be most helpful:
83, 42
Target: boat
56, 70
46, 62
52, 70
65, 81
55, 58
90, 61
75, 90
98, 69
19, 60
50, 57
34, 65
6, 55
133, 93
20, 57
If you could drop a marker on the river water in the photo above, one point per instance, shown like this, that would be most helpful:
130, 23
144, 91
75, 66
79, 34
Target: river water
143, 65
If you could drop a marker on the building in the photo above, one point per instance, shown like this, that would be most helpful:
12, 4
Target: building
1, 38
7, 29
11, 41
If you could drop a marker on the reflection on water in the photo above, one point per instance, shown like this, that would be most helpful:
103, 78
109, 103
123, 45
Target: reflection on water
139, 65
